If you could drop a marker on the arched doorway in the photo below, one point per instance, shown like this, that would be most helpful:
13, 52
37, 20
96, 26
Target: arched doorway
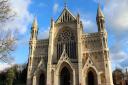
65, 77
42, 79
91, 78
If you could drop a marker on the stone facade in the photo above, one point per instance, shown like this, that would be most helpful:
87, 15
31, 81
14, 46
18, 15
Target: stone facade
69, 56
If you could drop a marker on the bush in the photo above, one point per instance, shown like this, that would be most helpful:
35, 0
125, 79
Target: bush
10, 77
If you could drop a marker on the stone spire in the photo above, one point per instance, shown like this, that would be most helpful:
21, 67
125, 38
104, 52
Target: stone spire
99, 12
35, 24
100, 20
34, 29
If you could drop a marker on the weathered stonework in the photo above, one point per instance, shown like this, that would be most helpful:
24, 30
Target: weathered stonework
69, 56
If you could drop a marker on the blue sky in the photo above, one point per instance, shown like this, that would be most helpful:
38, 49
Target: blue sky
115, 12
44, 10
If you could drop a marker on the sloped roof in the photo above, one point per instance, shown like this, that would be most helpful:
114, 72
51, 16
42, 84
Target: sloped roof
65, 16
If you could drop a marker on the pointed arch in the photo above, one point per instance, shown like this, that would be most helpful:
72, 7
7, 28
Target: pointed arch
91, 78
65, 63
42, 79
65, 74
92, 68
66, 77
40, 75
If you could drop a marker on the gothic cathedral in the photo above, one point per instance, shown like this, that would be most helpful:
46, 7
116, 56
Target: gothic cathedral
69, 56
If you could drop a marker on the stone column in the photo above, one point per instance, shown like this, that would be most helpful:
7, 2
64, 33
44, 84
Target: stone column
56, 82
35, 80
29, 81
74, 77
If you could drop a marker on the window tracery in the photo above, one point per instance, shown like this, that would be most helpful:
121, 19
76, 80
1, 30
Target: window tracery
66, 36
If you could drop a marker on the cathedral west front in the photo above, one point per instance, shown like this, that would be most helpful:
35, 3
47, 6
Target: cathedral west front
70, 56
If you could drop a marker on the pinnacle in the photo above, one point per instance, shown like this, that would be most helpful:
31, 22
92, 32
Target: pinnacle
34, 25
99, 12
65, 4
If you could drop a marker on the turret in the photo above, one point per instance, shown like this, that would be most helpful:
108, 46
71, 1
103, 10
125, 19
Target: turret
100, 20
32, 45
34, 30
33, 39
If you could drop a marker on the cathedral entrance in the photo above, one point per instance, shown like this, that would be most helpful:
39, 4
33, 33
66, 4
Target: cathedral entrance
91, 78
65, 77
42, 79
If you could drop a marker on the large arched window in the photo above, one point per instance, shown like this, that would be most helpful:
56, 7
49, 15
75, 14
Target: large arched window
66, 37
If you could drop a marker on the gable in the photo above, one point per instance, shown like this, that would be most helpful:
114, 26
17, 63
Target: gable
66, 16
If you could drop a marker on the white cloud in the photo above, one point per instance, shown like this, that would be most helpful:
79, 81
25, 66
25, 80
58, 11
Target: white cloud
43, 34
119, 59
117, 14
4, 66
23, 17
42, 5
55, 7
118, 53
89, 26
88, 23
119, 56
21, 21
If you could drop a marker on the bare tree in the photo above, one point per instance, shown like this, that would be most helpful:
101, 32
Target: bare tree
5, 11
7, 40
7, 45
